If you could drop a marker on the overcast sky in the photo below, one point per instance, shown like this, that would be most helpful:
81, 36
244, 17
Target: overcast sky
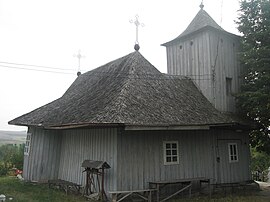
49, 33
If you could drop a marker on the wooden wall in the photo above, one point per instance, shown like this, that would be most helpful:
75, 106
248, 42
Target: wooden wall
140, 157
42, 163
208, 57
237, 171
135, 157
88, 144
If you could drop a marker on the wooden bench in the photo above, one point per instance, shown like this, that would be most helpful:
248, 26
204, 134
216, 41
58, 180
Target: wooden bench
121, 195
65, 185
187, 184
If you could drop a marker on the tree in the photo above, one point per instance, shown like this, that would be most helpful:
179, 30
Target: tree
254, 100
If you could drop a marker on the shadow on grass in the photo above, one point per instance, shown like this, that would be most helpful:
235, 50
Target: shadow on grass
251, 194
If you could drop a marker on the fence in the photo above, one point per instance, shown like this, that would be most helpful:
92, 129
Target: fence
260, 176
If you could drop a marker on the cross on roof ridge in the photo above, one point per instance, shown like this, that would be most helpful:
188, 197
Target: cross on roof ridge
137, 24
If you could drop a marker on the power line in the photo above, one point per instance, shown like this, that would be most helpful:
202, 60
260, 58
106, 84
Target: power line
31, 69
30, 65
104, 73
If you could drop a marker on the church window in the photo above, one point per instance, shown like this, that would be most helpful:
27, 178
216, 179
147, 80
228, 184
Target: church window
233, 153
228, 86
191, 43
171, 154
180, 46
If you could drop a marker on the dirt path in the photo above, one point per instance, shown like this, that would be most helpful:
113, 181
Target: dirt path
265, 188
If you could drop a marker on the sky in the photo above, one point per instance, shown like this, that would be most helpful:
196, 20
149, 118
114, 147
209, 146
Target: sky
37, 34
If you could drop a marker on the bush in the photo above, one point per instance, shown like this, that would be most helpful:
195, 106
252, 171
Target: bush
3, 169
260, 162
11, 156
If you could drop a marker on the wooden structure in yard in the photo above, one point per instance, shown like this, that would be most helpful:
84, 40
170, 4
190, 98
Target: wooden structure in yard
144, 194
186, 185
209, 55
148, 126
94, 171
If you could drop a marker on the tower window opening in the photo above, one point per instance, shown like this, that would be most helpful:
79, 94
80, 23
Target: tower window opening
228, 86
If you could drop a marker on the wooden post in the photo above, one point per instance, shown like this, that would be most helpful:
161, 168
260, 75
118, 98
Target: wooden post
190, 190
150, 196
102, 183
87, 182
157, 192
209, 185
114, 197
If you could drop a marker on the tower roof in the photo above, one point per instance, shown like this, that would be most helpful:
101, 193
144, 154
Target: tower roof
201, 21
128, 91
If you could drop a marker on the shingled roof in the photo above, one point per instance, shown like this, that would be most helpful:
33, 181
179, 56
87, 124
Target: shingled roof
128, 91
200, 22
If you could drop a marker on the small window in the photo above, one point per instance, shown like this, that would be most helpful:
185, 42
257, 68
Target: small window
191, 43
27, 144
228, 86
180, 47
233, 153
171, 155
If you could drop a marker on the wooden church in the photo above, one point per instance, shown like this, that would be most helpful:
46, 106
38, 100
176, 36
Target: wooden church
146, 125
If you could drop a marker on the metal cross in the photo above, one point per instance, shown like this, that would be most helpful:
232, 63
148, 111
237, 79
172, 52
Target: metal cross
79, 56
137, 24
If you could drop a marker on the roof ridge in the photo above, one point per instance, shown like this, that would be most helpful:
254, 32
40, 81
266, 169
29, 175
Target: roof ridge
120, 99
114, 101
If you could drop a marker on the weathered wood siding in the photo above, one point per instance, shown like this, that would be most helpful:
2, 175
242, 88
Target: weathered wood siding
140, 157
208, 58
135, 157
88, 144
227, 172
42, 163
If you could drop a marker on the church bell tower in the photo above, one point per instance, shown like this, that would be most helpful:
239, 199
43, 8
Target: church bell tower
209, 56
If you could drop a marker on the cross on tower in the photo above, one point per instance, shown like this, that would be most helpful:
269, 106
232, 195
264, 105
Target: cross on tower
79, 56
137, 24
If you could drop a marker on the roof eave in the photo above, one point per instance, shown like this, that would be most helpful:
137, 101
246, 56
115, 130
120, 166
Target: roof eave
196, 32
178, 127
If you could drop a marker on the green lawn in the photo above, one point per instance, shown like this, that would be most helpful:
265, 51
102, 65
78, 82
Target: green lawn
226, 199
238, 195
21, 191
28, 192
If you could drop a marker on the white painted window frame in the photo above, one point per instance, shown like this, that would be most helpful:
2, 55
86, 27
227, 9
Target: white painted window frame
27, 144
165, 155
234, 144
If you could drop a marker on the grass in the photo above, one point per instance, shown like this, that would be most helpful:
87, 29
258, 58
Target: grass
252, 195
21, 191
226, 199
